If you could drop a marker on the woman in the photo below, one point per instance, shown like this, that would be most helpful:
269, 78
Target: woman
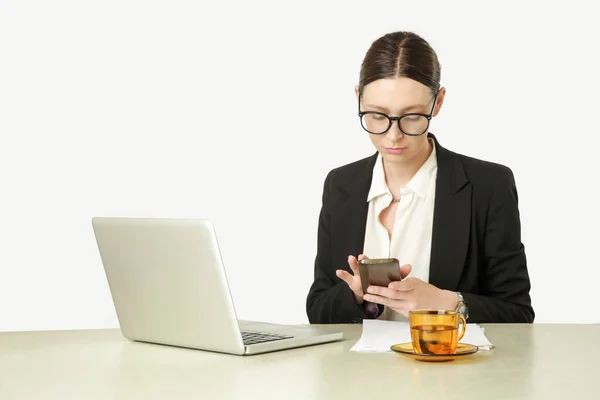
451, 220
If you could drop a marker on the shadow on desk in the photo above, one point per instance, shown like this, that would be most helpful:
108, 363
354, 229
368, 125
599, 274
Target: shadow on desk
159, 371
385, 374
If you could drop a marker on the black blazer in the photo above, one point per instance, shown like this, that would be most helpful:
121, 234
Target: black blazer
476, 245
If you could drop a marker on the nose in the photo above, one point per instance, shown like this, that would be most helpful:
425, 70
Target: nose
394, 133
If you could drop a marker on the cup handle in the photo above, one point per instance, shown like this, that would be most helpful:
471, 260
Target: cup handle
464, 327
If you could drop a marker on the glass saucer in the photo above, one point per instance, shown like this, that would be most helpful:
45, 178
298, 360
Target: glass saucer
462, 350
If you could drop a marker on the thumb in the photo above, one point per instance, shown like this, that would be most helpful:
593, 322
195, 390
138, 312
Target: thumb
345, 276
353, 264
405, 270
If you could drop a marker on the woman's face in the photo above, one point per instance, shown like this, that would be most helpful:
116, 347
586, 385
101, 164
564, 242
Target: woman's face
396, 97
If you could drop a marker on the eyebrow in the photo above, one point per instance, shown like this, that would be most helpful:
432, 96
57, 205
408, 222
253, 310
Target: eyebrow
385, 110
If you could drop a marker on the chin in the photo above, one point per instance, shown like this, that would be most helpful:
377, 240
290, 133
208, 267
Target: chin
396, 158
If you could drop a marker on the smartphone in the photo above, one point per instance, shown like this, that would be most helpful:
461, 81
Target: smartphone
378, 272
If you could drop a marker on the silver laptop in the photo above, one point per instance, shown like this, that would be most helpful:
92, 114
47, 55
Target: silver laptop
169, 286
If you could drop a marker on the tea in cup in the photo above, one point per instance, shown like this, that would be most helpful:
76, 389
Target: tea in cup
436, 331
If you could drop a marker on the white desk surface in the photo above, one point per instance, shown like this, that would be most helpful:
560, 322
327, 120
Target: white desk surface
536, 361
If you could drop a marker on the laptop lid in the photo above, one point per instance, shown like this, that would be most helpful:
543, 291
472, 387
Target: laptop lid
167, 282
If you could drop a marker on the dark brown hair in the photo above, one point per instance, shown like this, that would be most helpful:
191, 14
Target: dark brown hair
399, 54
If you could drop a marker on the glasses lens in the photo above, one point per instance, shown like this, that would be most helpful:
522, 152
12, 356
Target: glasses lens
375, 123
414, 124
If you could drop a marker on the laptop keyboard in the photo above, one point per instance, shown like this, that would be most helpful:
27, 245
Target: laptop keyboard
259, 337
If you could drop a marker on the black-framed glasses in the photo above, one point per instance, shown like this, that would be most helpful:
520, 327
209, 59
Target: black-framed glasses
411, 124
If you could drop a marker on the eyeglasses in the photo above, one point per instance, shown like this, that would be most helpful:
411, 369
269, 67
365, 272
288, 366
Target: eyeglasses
411, 124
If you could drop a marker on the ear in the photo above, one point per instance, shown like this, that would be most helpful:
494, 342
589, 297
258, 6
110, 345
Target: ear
356, 91
439, 101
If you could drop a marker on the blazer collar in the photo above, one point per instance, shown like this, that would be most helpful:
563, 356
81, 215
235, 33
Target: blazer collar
451, 176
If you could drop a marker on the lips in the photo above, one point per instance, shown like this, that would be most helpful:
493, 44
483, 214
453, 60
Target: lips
395, 150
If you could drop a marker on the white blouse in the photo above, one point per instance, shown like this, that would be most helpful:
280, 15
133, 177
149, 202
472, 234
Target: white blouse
411, 237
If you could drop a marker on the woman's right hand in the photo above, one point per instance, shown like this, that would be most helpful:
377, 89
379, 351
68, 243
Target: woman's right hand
353, 281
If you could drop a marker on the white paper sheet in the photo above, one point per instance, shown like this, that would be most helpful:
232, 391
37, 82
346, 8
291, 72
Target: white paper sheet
380, 335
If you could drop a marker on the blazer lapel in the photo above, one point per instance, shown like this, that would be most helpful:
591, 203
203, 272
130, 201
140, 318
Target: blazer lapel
350, 216
451, 221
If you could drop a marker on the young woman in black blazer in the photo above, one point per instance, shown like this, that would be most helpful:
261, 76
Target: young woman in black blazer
452, 220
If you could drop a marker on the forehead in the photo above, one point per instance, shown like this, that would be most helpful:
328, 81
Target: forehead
396, 93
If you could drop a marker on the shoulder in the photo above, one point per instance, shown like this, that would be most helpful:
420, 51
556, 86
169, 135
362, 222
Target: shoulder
486, 174
355, 171
493, 184
483, 169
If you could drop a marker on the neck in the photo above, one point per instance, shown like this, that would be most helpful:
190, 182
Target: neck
397, 175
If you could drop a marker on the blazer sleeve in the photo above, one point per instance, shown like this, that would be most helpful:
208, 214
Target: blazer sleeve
506, 280
330, 300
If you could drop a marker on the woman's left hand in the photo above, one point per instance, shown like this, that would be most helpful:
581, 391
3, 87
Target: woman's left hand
411, 294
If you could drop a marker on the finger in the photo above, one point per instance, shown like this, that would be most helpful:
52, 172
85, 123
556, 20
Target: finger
385, 292
362, 257
405, 270
373, 298
353, 263
345, 276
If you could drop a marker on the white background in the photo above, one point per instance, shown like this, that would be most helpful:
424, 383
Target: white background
236, 112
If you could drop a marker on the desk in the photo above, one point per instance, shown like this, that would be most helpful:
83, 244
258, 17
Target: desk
530, 362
